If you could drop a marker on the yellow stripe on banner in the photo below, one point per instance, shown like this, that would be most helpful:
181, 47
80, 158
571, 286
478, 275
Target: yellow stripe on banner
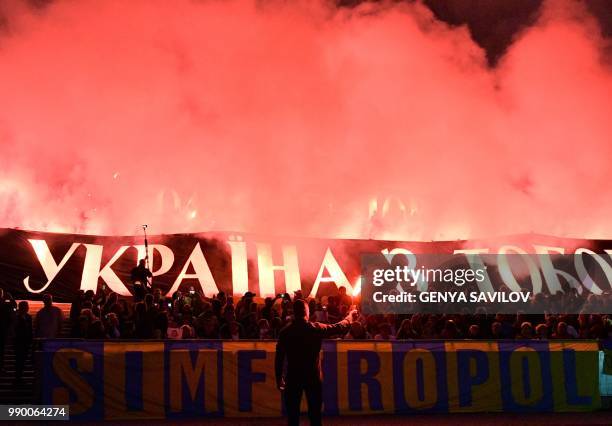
375, 393
474, 393
583, 346
115, 403
265, 399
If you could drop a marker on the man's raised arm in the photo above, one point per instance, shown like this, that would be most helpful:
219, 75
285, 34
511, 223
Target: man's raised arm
341, 327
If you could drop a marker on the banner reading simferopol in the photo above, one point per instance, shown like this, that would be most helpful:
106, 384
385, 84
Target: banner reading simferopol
174, 379
62, 264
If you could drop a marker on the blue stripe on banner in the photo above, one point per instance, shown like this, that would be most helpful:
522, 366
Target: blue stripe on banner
329, 365
133, 380
357, 377
469, 376
571, 382
525, 374
245, 371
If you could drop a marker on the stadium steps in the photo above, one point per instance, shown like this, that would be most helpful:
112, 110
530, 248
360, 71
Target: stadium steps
11, 393
26, 392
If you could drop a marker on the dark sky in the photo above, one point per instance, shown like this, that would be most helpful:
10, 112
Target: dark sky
494, 23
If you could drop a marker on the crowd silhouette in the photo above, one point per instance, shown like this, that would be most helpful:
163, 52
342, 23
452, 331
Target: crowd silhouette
191, 315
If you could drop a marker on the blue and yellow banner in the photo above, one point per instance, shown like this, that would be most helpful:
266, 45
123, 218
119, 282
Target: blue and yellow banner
180, 379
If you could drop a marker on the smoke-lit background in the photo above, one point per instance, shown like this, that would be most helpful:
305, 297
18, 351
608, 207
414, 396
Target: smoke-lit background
403, 120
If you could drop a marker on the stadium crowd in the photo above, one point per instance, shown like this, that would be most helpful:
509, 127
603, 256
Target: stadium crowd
190, 315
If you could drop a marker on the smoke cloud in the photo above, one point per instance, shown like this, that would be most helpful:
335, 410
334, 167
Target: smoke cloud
300, 118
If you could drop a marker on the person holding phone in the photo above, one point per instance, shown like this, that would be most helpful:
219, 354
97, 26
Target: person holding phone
299, 343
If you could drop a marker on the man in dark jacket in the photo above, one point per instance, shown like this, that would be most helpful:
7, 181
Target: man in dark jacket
49, 319
23, 338
300, 343
6, 314
140, 276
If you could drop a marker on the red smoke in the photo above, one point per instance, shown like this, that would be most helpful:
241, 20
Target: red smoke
290, 118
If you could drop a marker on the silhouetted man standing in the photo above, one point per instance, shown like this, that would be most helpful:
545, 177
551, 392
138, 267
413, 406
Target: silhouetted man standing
23, 338
49, 319
300, 343
6, 312
140, 279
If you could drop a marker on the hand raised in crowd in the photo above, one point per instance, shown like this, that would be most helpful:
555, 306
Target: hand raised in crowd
353, 316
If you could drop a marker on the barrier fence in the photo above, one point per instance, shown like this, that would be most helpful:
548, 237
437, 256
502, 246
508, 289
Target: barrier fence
178, 379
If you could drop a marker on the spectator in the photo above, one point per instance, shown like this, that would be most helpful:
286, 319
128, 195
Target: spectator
112, 326
541, 332
320, 314
234, 331
450, 330
160, 326
597, 329
249, 325
405, 331
583, 326
75, 307
6, 313
187, 332
507, 330
526, 331
265, 332
286, 307
429, 329
384, 332
228, 316
49, 319
23, 339
140, 276
143, 324
312, 307
157, 296
243, 308
357, 332
96, 330
81, 327
277, 325
216, 307
343, 298
111, 304
474, 332
333, 311
207, 325
561, 332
